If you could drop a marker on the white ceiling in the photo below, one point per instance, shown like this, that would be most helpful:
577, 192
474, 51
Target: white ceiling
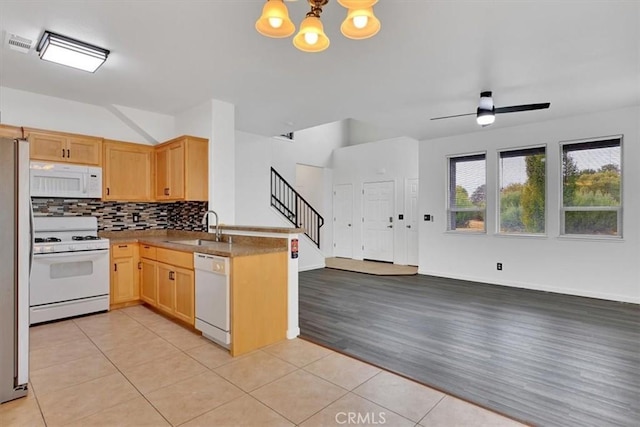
431, 58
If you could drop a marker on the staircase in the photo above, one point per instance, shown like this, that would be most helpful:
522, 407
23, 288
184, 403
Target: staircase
286, 200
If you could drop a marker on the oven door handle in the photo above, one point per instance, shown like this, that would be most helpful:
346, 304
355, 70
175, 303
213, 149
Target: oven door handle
79, 254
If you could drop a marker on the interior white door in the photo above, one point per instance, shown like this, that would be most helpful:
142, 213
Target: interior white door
378, 220
411, 220
343, 221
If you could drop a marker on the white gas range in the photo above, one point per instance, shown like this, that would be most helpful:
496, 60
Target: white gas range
70, 271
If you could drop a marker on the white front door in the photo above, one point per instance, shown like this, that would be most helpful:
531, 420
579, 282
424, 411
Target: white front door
411, 220
343, 221
378, 220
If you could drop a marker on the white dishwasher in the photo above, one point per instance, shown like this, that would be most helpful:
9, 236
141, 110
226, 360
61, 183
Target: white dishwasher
212, 297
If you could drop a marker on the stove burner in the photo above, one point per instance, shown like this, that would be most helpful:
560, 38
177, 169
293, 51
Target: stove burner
47, 239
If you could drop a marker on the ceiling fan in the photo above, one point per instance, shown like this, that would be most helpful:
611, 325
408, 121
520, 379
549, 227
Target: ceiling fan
486, 112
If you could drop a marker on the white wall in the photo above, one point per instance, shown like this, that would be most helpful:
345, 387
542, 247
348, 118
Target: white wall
362, 132
21, 108
389, 160
608, 269
255, 155
215, 120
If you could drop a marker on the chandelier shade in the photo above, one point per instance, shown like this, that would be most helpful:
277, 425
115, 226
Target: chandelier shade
360, 24
311, 37
274, 21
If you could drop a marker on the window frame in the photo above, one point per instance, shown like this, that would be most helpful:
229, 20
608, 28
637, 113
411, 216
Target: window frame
449, 209
546, 191
619, 209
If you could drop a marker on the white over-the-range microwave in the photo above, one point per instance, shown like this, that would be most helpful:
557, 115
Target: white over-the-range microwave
64, 180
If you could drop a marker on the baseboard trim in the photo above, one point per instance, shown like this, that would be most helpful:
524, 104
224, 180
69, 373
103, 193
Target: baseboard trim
312, 267
293, 333
535, 287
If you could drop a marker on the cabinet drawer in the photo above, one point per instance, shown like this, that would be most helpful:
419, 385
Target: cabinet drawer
122, 251
177, 258
147, 251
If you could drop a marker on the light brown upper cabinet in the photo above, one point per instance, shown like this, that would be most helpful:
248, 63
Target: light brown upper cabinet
127, 171
182, 169
64, 147
12, 132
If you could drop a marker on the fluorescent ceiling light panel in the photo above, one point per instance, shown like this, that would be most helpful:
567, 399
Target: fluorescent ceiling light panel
72, 53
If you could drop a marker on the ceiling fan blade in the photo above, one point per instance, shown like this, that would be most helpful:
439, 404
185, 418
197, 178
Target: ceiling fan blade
525, 107
457, 115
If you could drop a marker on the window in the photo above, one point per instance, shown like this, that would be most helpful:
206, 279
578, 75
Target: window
467, 193
591, 188
522, 191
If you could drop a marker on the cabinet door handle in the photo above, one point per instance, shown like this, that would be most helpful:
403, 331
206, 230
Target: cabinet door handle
172, 275
108, 191
166, 191
115, 267
140, 265
122, 246
63, 153
68, 154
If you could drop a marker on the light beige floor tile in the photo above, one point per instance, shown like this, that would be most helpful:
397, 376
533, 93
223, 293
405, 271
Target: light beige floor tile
141, 352
126, 336
158, 373
243, 412
297, 351
452, 412
136, 412
342, 370
405, 397
67, 374
185, 339
190, 398
211, 355
164, 327
66, 352
72, 403
53, 334
23, 412
298, 395
103, 323
255, 370
354, 410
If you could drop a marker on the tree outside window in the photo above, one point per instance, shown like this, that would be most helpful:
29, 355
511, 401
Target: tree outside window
591, 188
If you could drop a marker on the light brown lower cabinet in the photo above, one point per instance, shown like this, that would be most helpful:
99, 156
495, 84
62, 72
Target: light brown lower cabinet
148, 272
124, 274
168, 287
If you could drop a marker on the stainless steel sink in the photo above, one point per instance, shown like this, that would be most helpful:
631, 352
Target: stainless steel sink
196, 242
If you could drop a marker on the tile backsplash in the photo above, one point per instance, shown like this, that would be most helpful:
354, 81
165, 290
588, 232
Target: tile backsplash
118, 216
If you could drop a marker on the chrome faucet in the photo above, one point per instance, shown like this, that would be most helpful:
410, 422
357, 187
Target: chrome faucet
204, 222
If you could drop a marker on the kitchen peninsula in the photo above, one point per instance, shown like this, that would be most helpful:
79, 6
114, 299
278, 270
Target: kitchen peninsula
156, 267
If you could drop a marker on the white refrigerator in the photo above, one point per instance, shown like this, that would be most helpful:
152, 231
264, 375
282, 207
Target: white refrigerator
16, 248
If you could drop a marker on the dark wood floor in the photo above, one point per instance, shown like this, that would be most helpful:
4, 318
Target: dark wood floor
545, 359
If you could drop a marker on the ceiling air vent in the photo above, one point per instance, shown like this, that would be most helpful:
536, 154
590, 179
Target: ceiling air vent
18, 43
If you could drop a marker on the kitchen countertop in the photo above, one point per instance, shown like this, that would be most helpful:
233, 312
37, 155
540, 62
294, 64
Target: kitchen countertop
240, 246
281, 230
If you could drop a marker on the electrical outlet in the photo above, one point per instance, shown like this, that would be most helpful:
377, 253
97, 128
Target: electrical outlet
499, 266
427, 217
400, 217
136, 217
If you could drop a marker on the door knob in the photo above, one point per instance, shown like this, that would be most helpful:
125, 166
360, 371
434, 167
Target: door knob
408, 226
389, 226
349, 225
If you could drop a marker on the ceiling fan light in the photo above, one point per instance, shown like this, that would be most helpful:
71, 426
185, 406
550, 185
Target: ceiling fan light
351, 25
357, 4
485, 117
274, 21
311, 37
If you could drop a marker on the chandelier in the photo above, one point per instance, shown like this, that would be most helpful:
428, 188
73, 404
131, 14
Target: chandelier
359, 24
